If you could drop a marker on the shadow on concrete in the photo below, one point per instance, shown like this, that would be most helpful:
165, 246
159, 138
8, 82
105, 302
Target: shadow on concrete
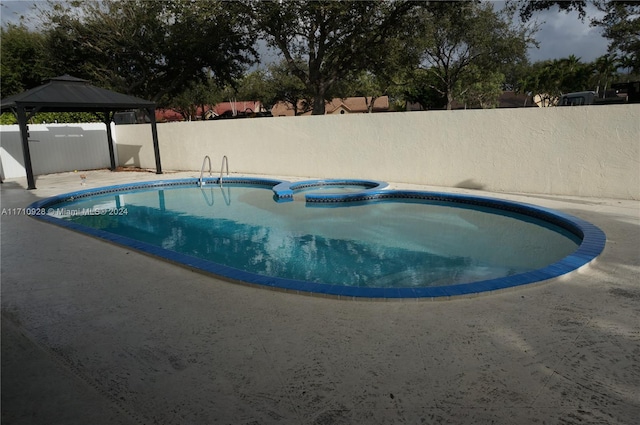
470, 184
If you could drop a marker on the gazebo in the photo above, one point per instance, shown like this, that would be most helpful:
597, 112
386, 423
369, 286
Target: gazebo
71, 94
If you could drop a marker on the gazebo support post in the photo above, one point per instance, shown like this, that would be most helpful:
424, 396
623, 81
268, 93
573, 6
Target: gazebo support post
24, 135
112, 156
68, 93
154, 135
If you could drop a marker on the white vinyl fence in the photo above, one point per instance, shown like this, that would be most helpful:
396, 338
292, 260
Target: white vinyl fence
54, 148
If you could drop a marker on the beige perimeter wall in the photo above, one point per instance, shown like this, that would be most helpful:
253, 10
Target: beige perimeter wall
585, 151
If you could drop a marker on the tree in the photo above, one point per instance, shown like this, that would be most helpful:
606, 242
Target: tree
389, 73
23, 63
480, 88
148, 48
288, 88
528, 7
605, 72
621, 25
629, 64
366, 85
256, 85
197, 96
24, 67
425, 89
573, 75
548, 80
460, 35
335, 39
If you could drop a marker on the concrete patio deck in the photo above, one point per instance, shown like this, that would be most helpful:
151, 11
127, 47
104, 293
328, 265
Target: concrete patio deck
94, 333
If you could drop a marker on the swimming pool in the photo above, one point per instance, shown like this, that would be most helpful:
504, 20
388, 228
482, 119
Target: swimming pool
347, 238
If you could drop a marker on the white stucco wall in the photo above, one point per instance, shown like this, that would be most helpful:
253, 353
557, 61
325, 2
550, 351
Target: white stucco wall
54, 148
584, 151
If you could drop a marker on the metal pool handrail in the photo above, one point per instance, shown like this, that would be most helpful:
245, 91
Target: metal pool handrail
225, 160
200, 180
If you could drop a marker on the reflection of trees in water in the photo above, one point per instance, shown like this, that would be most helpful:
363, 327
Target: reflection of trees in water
275, 253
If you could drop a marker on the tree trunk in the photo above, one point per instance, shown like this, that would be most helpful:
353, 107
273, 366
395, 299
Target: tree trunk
449, 100
370, 104
318, 105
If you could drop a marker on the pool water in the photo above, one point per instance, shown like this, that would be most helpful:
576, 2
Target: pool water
387, 244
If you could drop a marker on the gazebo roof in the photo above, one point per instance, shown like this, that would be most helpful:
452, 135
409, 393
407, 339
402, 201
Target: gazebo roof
71, 94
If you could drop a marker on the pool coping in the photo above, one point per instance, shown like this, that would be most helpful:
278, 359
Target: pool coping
593, 238
285, 190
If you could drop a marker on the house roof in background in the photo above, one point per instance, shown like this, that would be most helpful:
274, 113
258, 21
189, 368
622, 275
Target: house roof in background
352, 105
228, 109
357, 104
238, 106
511, 99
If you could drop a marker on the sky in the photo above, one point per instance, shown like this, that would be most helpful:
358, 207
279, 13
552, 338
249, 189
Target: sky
560, 34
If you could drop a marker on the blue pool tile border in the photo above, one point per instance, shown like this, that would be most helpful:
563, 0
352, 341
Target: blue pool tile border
592, 244
286, 189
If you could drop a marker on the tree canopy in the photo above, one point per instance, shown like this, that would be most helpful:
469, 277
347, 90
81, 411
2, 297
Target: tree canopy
23, 59
187, 54
527, 8
147, 48
620, 24
334, 39
463, 39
